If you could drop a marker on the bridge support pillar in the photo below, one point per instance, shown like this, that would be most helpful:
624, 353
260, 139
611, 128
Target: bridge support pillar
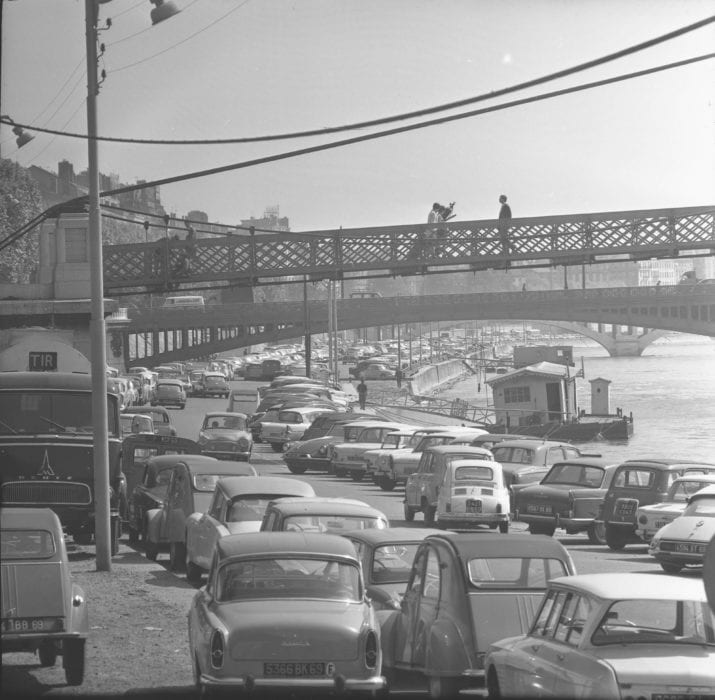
625, 345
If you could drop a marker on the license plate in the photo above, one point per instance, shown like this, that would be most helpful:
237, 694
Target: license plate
690, 548
661, 523
626, 508
296, 669
538, 508
33, 624
683, 696
474, 506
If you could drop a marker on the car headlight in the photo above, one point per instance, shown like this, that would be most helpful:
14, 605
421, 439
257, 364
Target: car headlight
322, 450
243, 444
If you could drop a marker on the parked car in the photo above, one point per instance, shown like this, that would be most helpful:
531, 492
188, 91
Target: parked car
169, 392
290, 424
346, 457
238, 506
43, 610
375, 370
649, 519
569, 496
136, 423
226, 436
403, 439
322, 514
387, 557
683, 542
253, 371
190, 490
422, 487
312, 451
242, 401
636, 483
610, 635
472, 493
214, 384
310, 588
465, 591
163, 425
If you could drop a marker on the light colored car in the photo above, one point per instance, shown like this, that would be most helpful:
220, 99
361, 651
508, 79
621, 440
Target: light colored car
322, 514
163, 424
649, 519
43, 611
238, 506
464, 592
473, 493
610, 636
226, 436
569, 496
285, 612
683, 542
422, 487
136, 424
290, 425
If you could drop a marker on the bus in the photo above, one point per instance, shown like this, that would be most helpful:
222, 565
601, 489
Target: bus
46, 449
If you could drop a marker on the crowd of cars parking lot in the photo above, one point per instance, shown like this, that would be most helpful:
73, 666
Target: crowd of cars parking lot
324, 593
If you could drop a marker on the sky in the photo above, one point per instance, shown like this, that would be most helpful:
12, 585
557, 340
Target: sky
238, 68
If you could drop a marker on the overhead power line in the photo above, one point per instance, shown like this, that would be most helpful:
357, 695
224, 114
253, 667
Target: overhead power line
397, 117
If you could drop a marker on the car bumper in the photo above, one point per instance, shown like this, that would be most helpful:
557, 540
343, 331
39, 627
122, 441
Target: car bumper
337, 684
554, 520
20, 642
680, 558
473, 518
226, 455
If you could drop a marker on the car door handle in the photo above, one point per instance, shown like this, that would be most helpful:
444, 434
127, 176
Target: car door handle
560, 657
535, 647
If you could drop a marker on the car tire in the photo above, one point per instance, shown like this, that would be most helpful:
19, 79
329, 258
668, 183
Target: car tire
277, 446
193, 572
539, 529
177, 556
151, 550
430, 512
47, 651
504, 527
443, 687
409, 513
356, 475
597, 533
295, 469
73, 660
670, 568
615, 539
386, 484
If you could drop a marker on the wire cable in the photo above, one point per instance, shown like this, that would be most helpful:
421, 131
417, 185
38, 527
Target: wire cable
405, 115
141, 31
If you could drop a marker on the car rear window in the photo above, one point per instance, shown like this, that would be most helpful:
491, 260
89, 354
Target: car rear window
513, 455
27, 544
514, 572
634, 479
332, 523
473, 473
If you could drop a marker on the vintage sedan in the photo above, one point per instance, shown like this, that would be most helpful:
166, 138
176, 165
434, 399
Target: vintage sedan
473, 493
611, 636
649, 519
285, 612
290, 425
465, 591
683, 542
322, 514
226, 436
169, 392
569, 496
214, 384
136, 423
43, 611
191, 487
238, 506
386, 557
163, 424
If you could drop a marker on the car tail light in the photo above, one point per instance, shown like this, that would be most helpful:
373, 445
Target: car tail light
371, 650
217, 650
643, 519
498, 507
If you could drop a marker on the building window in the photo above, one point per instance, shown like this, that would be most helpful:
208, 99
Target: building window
76, 245
517, 394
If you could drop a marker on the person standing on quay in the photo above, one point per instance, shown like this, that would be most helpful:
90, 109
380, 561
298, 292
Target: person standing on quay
362, 394
504, 219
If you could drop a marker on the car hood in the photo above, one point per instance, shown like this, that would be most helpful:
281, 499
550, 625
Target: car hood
309, 447
554, 492
295, 629
694, 528
668, 666
660, 508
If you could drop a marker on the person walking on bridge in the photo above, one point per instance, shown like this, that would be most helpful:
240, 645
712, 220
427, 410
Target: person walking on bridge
362, 393
504, 220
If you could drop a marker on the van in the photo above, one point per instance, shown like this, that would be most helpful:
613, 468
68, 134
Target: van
183, 301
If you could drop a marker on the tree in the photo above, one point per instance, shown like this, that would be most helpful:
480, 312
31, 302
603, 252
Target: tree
20, 202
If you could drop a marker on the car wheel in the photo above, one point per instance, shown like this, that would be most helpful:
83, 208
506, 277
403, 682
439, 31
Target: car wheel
504, 527
443, 687
47, 651
193, 572
356, 475
597, 533
73, 660
409, 513
615, 539
277, 446
670, 568
430, 512
295, 469
539, 529
386, 484
151, 550
493, 689
177, 556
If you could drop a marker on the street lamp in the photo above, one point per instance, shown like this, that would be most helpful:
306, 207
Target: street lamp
97, 332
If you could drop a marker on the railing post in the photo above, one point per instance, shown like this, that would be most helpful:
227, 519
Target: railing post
252, 253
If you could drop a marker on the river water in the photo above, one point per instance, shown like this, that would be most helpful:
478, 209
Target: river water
670, 390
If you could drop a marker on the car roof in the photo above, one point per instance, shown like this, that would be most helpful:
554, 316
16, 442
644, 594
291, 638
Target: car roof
665, 462
705, 492
473, 545
375, 537
237, 485
588, 462
231, 414
322, 504
214, 374
167, 460
69, 381
303, 409
640, 586
292, 543
532, 442
175, 382
458, 449
473, 461
146, 409
29, 518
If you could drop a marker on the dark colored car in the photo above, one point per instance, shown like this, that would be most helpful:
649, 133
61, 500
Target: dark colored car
640, 482
169, 392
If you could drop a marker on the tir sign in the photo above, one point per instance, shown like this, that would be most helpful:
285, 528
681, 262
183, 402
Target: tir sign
43, 361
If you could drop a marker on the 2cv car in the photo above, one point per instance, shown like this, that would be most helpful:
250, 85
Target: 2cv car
42, 610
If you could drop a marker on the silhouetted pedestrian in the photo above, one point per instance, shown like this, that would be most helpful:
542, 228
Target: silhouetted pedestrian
398, 377
362, 394
504, 220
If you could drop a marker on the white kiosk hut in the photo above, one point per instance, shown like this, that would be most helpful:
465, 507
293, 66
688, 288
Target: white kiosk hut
544, 392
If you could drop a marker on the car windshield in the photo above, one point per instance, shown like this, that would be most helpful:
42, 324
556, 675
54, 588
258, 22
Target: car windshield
514, 455
701, 507
433, 440
514, 572
214, 380
205, 482
279, 577
26, 544
392, 563
681, 491
225, 423
575, 475
332, 523
656, 622
249, 508
473, 473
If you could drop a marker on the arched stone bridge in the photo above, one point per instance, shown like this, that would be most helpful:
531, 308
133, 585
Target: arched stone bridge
161, 335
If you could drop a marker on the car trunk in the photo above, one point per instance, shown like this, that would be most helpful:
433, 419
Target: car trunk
32, 590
